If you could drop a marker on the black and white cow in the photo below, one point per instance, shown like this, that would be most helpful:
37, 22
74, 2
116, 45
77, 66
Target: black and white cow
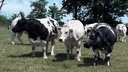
44, 30
102, 37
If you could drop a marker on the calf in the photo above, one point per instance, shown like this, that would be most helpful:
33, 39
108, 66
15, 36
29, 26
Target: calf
72, 35
41, 29
121, 31
102, 37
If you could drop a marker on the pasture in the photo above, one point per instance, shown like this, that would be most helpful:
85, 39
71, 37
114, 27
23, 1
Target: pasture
17, 58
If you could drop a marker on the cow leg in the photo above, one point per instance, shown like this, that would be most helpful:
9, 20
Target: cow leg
68, 50
33, 47
46, 47
124, 38
118, 37
107, 58
52, 45
71, 51
13, 35
43, 45
96, 56
78, 52
19, 37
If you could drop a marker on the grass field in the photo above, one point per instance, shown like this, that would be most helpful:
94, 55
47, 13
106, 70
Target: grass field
17, 58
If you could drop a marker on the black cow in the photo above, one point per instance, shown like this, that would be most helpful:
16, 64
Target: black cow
41, 29
102, 37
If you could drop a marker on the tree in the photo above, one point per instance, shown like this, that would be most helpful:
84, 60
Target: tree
2, 3
55, 13
90, 11
20, 14
4, 20
38, 9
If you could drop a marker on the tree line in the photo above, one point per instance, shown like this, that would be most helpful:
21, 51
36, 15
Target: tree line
87, 11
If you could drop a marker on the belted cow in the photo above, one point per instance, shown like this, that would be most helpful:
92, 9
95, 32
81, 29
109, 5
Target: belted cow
102, 37
44, 30
121, 31
71, 35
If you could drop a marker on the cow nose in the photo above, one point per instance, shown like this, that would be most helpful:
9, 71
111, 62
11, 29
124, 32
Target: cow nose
60, 40
86, 45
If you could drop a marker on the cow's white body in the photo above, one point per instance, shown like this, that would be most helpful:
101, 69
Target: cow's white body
72, 35
121, 31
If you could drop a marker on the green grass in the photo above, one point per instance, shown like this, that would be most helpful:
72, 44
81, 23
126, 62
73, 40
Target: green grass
17, 58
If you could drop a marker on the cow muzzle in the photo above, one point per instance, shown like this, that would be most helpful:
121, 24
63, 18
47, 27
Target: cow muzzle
60, 40
86, 45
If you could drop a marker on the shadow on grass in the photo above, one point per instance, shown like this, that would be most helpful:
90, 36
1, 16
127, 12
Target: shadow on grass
29, 55
62, 57
89, 62
19, 44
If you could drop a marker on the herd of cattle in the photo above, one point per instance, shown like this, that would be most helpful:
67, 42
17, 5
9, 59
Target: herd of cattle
99, 36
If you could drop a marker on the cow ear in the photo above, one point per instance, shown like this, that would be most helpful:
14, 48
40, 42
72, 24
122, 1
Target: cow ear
71, 30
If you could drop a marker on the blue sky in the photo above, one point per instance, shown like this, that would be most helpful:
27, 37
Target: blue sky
15, 6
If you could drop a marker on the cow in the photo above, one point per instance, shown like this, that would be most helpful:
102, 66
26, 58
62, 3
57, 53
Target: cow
71, 35
44, 30
102, 37
121, 31
19, 34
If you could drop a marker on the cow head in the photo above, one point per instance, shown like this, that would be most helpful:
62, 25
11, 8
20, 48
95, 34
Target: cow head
92, 37
120, 27
19, 26
65, 33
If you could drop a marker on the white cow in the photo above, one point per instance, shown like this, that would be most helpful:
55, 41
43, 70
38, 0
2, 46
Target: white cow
121, 31
72, 35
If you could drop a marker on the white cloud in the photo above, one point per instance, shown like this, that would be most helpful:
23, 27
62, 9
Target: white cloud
15, 6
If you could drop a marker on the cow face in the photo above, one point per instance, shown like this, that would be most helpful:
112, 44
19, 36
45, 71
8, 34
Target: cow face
120, 27
65, 33
19, 26
92, 37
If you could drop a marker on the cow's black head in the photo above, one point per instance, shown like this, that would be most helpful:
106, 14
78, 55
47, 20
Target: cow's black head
91, 39
19, 26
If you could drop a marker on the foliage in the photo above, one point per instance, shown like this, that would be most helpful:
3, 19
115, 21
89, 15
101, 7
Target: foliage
4, 20
20, 14
90, 11
38, 9
56, 13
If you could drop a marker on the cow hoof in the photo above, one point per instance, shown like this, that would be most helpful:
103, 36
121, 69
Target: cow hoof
33, 56
78, 60
94, 64
52, 54
13, 43
45, 57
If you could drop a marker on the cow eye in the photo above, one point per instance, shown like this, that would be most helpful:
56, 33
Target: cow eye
66, 32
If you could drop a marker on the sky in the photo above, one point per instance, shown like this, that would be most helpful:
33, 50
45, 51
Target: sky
15, 6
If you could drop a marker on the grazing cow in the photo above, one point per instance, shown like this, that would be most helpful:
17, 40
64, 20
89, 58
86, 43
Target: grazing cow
121, 31
102, 37
72, 35
14, 22
44, 30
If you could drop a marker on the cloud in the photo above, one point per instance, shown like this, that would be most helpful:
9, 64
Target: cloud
15, 6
